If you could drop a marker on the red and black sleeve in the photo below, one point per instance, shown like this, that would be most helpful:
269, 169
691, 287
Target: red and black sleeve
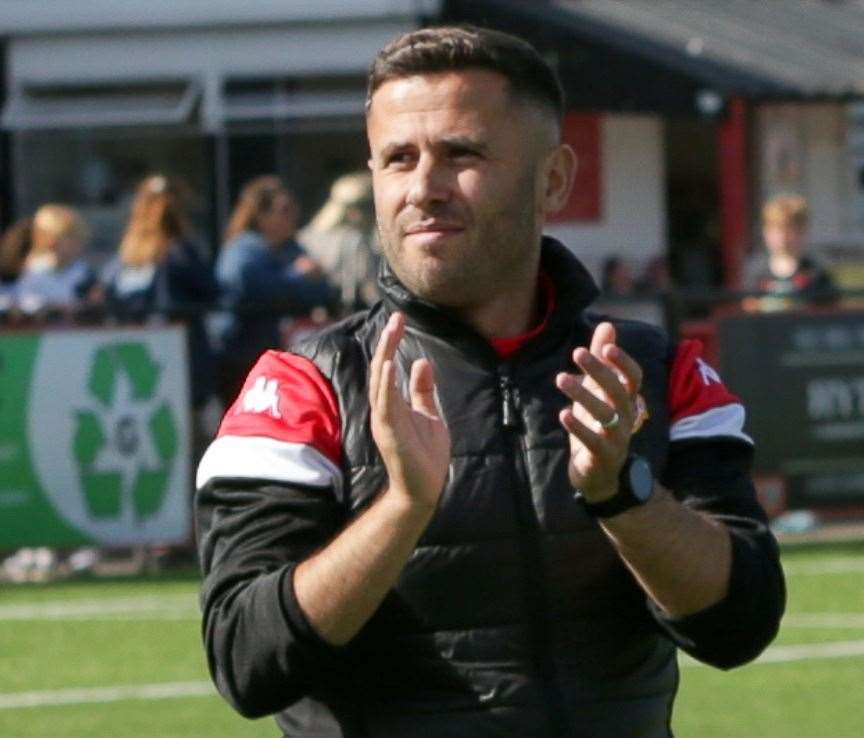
267, 499
708, 469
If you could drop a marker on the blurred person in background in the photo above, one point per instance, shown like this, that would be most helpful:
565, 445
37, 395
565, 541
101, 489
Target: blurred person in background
263, 274
55, 277
45, 254
616, 279
159, 273
14, 248
619, 295
341, 237
785, 273
655, 278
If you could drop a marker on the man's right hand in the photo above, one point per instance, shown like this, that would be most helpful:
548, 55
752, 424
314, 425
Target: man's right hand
341, 586
411, 435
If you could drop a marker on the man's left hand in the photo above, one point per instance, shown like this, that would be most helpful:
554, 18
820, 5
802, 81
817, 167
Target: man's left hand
602, 414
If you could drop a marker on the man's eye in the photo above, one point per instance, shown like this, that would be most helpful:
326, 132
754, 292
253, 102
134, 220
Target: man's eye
399, 159
463, 153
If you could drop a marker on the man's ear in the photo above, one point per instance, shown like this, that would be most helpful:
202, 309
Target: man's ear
560, 171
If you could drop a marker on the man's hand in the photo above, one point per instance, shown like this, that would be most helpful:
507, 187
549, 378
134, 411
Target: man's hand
341, 586
601, 418
412, 436
680, 558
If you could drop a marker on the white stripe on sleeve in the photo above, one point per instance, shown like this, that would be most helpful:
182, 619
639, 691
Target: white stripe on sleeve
726, 420
259, 457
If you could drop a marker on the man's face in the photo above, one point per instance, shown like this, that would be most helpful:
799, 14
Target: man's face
784, 239
458, 178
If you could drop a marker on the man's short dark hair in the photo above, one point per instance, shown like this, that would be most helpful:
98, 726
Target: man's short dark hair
454, 48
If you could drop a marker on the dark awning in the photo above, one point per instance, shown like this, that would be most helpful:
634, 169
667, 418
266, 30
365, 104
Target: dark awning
34, 106
760, 49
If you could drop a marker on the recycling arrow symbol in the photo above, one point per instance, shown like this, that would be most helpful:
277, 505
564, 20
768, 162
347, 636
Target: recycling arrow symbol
126, 440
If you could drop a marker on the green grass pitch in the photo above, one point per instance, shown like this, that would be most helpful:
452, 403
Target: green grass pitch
122, 659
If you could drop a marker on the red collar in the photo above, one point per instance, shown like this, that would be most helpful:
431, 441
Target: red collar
506, 347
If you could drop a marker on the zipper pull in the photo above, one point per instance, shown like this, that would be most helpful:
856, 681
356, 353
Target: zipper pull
509, 399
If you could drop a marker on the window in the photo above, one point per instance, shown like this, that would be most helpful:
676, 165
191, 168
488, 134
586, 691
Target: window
268, 99
98, 170
40, 106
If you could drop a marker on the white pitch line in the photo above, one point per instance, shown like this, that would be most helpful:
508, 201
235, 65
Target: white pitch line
822, 620
803, 652
125, 617
165, 613
127, 607
86, 695
176, 690
807, 651
827, 566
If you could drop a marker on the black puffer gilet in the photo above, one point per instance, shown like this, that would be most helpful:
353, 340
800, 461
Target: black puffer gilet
514, 616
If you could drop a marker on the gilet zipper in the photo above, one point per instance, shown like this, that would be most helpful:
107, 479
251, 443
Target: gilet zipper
537, 595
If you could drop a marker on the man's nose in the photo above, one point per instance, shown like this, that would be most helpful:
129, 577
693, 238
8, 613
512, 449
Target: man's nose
430, 183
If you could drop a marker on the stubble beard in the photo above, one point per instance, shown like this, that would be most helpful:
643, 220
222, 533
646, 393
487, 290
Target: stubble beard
494, 256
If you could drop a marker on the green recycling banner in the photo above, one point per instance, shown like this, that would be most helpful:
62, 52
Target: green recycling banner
94, 437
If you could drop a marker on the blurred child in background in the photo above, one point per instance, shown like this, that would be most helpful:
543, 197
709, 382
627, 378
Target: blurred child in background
785, 273
55, 277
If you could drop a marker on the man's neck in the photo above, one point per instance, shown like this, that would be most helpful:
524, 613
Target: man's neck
509, 313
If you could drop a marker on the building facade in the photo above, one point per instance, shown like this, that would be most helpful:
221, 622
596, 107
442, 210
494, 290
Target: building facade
679, 139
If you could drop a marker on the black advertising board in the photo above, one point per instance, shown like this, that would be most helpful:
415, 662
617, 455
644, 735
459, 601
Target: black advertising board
801, 377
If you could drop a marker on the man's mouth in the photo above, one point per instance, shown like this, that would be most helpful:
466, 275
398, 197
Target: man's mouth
433, 227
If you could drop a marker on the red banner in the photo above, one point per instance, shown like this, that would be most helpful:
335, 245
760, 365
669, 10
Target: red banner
582, 132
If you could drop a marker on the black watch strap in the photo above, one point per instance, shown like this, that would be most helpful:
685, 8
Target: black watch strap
626, 497
611, 507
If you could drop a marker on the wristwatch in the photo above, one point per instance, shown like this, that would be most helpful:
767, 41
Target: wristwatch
635, 487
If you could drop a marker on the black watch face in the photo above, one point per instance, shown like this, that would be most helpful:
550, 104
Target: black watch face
641, 479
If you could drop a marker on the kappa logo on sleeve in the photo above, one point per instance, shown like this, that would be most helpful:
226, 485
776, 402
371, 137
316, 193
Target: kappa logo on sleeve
286, 398
700, 405
261, 397
708, 373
